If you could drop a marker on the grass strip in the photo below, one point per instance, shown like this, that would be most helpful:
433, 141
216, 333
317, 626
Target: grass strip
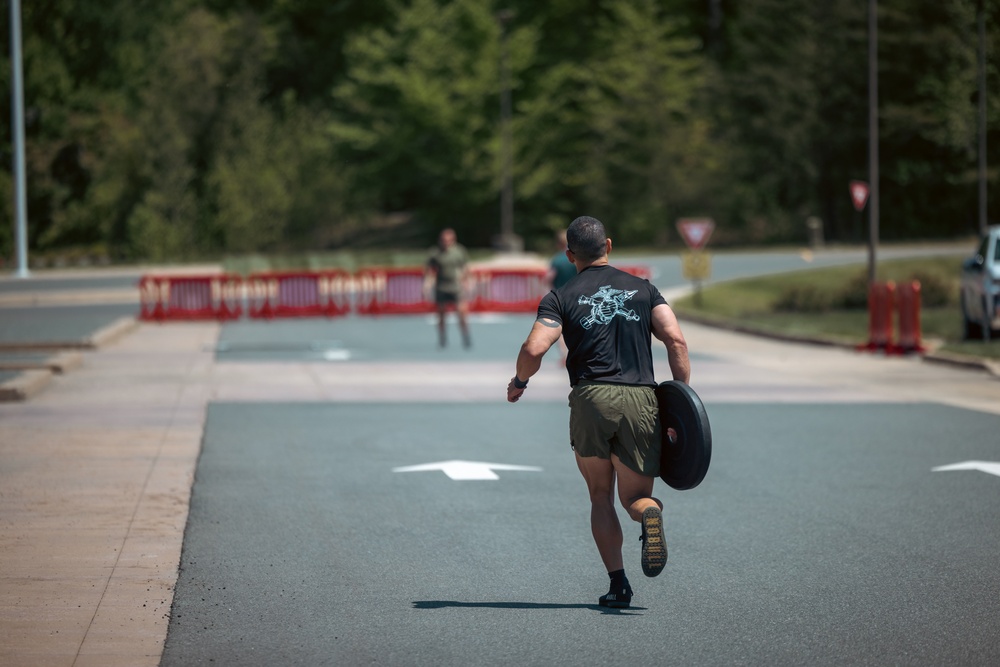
829, 305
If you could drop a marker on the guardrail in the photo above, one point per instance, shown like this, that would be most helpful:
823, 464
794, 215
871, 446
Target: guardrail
332, 293
383, 291
507, 291
209, 297
298, 294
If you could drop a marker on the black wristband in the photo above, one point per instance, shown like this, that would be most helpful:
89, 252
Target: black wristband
519, 384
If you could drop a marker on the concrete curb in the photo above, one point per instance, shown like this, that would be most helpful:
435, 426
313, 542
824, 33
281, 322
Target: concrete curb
24, 386
113, 332
37, 374
962, 361
57, 363
99, 338
64, 361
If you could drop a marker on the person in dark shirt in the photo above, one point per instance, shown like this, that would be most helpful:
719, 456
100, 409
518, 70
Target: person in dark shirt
608, 318
561, 271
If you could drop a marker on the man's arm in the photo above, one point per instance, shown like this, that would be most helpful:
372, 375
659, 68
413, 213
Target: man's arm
667, 329
544, 334
430, 276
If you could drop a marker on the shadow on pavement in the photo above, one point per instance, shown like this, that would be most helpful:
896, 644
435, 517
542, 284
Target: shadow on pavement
442, 604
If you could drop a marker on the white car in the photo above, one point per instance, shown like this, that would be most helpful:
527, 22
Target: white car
980, 287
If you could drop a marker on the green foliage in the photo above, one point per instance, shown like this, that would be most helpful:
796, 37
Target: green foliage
853, 295
936, 290
647, 159
804, 299
173, 129
417, 111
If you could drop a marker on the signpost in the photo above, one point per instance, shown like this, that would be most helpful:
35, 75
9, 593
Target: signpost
859, 197
696, 265
873, 177
17, 140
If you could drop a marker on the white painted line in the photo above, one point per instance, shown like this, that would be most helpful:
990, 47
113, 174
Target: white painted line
466, 470
990, 467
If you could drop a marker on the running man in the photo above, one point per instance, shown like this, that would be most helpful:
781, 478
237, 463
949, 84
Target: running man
606, 317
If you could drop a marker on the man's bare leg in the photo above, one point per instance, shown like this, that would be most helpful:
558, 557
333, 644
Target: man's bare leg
463, 323
442, 324
600, 477
635, 492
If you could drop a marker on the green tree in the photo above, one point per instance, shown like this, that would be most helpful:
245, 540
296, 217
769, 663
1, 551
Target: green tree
82, 69
176, 125
768, 110
928, 92
650, 157
418, 112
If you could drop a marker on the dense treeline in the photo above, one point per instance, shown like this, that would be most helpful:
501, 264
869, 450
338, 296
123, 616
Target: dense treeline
170, 129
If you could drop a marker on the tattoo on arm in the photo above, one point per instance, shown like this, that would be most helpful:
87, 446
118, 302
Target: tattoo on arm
552, 324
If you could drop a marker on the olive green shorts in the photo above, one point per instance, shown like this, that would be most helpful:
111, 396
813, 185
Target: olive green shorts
623, 420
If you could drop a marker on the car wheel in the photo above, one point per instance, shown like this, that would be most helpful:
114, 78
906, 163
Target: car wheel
987, 327
970, 328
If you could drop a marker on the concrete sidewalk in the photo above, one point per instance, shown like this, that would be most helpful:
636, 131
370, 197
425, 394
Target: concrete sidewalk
95, 478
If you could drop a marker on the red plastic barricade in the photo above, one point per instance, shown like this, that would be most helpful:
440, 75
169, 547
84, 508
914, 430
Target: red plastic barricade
908, 299
382, 291
299, 294
507, 291
881, 303
213, 297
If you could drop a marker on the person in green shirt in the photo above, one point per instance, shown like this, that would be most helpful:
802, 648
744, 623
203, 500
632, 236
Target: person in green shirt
446, 266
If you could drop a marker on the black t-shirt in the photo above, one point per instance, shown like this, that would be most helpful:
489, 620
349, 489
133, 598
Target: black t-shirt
606, 318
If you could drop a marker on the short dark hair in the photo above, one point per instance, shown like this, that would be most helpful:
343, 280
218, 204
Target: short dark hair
587, 238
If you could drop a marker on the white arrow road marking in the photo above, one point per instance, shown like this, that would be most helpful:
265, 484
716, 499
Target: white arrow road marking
991, 467
462, 470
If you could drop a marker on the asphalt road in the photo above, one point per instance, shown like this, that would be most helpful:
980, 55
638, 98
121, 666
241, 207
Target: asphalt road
820, 536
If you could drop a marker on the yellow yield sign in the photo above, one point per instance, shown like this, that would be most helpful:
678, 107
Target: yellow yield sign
696, 265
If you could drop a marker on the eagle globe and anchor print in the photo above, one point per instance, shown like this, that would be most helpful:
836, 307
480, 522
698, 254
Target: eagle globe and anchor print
606, 304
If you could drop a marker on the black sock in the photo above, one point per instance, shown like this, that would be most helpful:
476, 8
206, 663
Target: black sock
619, 581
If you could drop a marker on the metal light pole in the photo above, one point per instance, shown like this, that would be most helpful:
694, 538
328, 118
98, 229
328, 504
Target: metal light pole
872, 138
507, 239
17, 134
981, 20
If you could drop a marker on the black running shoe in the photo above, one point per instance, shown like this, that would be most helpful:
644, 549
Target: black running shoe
654, 546
617, 599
